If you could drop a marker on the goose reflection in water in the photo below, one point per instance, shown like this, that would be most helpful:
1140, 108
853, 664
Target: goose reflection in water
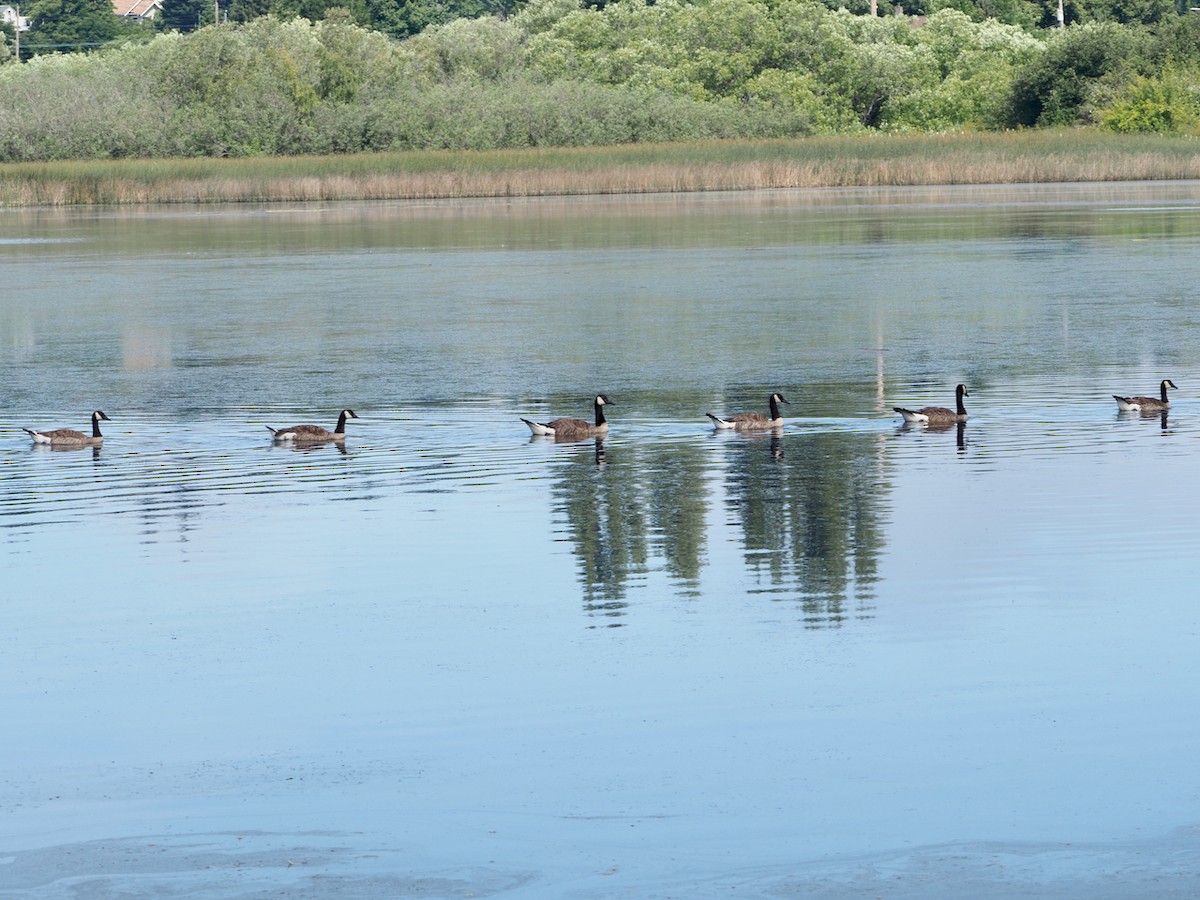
311, 446
772, 437
1145, 415
56, 448
601, 453
959, 429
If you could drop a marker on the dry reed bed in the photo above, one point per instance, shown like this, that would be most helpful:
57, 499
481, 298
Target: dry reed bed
716, 166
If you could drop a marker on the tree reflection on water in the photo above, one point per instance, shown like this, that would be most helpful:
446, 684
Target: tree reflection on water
806, 508
809, 509
606, 525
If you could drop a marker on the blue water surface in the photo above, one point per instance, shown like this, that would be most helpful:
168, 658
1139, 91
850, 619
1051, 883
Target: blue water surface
445, 658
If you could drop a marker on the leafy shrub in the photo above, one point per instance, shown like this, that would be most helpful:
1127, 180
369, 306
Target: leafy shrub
79, 107
558, 73
976, 64
1006, 12
1056, 88
468, 48
1128, 12
1168, 103
538, 16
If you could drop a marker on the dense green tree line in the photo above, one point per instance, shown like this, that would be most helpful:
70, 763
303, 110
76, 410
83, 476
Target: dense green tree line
558, 73
80, 24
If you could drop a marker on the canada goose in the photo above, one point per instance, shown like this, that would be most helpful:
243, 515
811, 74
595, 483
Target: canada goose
937, 415
1146, 404
752, 421
573, 429
313, 433
69, 437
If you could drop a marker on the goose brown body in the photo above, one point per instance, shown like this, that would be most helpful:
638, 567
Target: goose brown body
1146, 404
313, 433
752, 421
572, 428
69, 437
938, 415
566, 429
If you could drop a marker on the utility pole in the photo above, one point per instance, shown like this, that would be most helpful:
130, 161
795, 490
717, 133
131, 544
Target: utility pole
17, 30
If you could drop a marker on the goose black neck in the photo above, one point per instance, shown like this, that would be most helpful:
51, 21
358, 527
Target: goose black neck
962, 410
599, 414
96, 427
774, 408
341, 425
1163, 388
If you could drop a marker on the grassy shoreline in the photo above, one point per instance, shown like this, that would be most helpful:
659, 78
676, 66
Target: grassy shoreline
868, 161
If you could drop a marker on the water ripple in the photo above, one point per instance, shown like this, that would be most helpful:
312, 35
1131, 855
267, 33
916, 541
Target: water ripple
804, 511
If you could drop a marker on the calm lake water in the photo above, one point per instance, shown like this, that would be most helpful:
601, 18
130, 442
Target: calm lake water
448, 659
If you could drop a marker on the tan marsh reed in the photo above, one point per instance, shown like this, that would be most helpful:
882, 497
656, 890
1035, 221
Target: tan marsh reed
870, 160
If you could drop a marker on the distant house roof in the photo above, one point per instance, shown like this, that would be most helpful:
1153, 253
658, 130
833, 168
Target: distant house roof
9, 14
137, 9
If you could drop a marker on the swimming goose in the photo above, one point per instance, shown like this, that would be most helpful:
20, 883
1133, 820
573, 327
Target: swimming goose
312, 433
752, 421
937, 415
573, 429
1145, 404
69, 437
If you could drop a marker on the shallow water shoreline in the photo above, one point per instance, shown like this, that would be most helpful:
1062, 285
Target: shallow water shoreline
332, 864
